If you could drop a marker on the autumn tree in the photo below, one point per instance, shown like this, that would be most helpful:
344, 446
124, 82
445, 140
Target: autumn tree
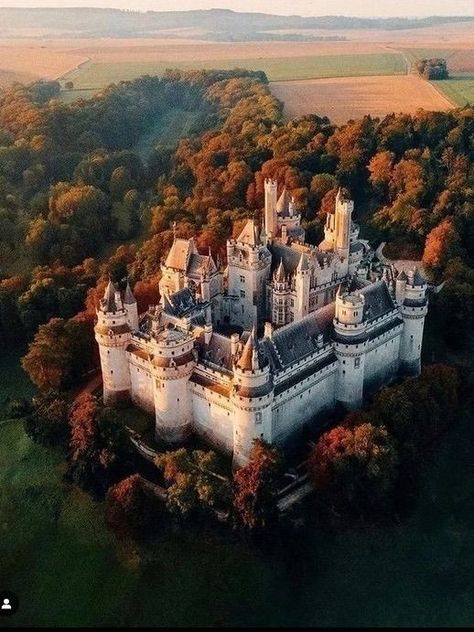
131, 508
101, 452
194, 481
60, 354
356, 465
442, 244
256, 486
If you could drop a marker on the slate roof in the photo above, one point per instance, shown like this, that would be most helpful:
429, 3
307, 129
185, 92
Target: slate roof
291, 256
179, 303
219, 351
108, 302
378, 301
129, 298
283, 204
297, 340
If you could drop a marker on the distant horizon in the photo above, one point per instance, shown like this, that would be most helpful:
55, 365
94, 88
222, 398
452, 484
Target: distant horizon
303, 8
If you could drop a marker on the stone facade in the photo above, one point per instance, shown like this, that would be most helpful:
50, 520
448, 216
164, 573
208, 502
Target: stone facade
333, 331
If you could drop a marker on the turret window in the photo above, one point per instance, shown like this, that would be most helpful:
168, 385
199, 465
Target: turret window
242, 278
242, 293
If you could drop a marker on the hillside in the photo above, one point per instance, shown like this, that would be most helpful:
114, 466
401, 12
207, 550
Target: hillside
211, 24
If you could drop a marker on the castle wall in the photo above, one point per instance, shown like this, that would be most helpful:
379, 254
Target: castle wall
382, 360
213, 416
142, 386
303, 402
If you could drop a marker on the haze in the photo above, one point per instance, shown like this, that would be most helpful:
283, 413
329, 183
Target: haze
365, 8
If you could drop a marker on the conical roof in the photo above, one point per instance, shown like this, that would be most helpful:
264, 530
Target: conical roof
283, 203
129, 298
251, 348
280, 274
108, 302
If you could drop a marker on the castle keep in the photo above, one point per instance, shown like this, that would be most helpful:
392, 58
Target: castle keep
330, 330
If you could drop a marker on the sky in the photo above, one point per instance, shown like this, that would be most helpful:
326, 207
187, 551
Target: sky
363, 8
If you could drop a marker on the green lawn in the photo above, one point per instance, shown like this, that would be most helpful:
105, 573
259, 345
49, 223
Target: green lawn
98, 75
459, 89
14, 383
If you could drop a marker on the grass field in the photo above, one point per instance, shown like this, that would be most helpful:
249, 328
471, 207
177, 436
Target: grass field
66, 569
459, 89
98, 75
345, 98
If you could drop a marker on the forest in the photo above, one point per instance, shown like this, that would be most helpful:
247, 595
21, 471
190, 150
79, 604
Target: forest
78, 203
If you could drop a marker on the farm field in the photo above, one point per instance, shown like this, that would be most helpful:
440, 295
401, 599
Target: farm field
97, 75
459, 89
345, 98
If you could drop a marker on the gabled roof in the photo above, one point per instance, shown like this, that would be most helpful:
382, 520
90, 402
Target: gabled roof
250, 234
179, 254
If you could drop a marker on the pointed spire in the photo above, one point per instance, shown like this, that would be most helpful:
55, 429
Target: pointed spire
249, 358
303, 263
283, 203
280, 274
129, 298
108, 302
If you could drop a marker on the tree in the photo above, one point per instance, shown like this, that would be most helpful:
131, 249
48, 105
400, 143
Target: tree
101, 452
356, 465
47, 423
131, 508
194, 480
60, 354
255, 487
442, 244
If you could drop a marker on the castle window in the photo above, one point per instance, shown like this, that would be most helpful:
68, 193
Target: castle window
242, 293
242, 278
111, 372
258, 418
357, 363
243, 307
177, 399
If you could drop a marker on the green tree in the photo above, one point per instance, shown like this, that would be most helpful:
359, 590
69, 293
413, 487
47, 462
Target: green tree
194, 481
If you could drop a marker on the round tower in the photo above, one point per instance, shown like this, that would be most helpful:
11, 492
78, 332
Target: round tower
172, 366
252, 398
113, 334
413, 309
350, 342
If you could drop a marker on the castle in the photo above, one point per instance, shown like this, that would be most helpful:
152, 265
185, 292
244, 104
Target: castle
331, 331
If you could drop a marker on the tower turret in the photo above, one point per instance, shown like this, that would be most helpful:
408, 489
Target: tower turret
131, 307
172, 366
252, 398
302, 288
249, 266
271, 193
413, 308
350, 338
113, 333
